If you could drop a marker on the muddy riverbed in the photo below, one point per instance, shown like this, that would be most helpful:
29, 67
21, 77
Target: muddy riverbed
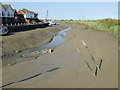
21, 46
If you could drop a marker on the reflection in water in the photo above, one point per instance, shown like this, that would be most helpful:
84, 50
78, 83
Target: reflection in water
57, 40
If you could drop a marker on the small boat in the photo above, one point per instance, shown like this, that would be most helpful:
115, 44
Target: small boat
52, 23
4, 30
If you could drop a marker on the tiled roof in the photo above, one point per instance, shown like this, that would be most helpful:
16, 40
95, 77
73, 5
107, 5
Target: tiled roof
6, 6
29, 11
20, 12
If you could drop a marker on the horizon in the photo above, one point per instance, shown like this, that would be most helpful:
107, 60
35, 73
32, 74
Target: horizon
70, 10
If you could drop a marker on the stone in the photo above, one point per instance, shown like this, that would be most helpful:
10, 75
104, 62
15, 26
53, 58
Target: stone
23, 55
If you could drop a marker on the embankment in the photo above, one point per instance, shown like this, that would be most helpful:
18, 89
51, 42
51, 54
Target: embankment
16, 42
18, 28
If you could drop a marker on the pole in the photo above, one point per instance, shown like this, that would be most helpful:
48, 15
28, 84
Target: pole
47, 15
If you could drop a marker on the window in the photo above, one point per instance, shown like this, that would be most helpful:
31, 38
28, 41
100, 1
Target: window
3, 13
8, 14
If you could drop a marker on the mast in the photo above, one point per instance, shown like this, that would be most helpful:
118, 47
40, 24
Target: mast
47, 15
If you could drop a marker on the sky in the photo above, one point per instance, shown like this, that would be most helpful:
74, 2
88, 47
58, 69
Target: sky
70, 10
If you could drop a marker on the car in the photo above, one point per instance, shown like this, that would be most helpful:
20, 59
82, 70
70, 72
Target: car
4, 30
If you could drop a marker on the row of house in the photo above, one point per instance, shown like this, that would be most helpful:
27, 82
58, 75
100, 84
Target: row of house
9, 15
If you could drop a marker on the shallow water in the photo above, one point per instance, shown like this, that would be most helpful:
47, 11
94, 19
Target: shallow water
57, 40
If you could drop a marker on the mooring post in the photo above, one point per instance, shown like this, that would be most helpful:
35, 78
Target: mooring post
100, 64
95, 74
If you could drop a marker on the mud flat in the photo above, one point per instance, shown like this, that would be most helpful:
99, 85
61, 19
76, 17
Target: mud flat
19, 41
71, 64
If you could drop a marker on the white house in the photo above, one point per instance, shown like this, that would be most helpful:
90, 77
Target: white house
9, 12
6, 13
28, 14
2, 10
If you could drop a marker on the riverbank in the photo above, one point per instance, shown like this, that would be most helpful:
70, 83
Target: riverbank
19, 41
69, 65
106, 25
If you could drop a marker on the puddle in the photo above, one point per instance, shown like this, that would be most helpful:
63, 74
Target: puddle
57, 40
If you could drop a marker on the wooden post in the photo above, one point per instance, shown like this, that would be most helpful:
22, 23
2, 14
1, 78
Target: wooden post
100, 64
95, 74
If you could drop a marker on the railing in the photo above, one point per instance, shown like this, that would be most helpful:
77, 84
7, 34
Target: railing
17, 24
25, 27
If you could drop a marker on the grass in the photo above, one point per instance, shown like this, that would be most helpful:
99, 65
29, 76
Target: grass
109, 25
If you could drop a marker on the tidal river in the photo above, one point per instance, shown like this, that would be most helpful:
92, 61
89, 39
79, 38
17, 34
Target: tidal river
26, 54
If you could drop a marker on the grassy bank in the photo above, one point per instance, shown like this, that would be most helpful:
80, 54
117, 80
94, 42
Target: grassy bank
109, 25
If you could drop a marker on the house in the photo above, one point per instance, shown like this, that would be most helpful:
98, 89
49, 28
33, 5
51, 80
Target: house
7, 13
18, 18
28, 15
2, 12
15, 13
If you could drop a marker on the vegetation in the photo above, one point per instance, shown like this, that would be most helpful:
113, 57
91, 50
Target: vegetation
108, 24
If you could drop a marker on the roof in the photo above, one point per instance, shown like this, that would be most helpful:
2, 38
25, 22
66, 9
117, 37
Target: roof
14, 10
2, 5
20, 12
29, 11
6, 6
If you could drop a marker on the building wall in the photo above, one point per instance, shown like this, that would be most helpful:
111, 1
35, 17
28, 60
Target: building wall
10, 13
29, 15
5, 12
2, 10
